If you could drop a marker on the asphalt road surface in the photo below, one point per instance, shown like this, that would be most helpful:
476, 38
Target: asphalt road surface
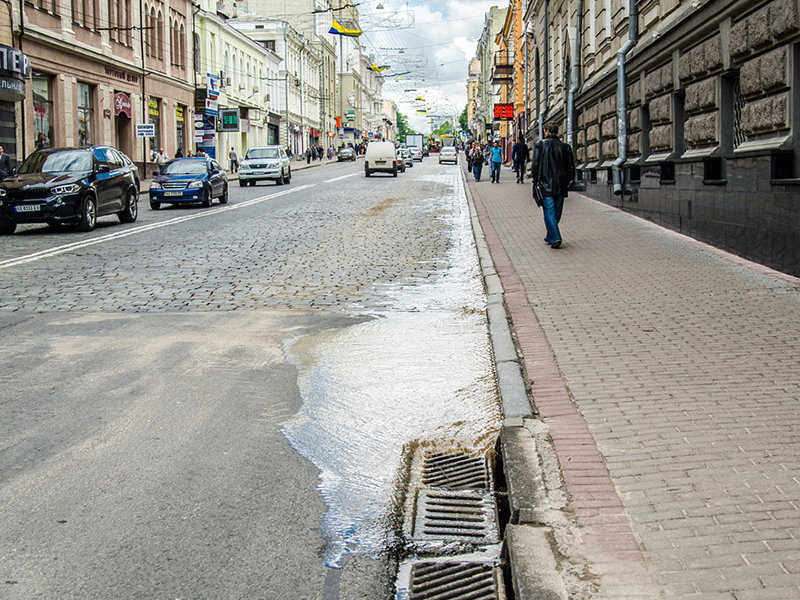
144, 383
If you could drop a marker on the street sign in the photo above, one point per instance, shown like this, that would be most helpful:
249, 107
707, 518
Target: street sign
229, 118
145, 130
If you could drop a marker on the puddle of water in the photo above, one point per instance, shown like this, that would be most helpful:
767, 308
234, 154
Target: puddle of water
421, 369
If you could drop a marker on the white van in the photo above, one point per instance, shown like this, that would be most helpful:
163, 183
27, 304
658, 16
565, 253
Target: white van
380, 157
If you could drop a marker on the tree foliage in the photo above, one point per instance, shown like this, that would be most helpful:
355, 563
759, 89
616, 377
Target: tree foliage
403, 128
463, 120
443, 129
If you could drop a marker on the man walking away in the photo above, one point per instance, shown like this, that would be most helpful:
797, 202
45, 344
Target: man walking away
5, 164
554, 169
520, 156
234, 160
497, 160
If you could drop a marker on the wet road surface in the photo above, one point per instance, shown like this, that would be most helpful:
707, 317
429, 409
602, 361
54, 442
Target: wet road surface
214, 402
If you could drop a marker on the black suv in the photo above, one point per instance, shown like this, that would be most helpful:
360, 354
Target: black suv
70, 185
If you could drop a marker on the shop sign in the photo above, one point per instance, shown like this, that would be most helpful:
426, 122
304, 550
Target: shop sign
504, 112
145, 130
152, 107
212, 86
211, 107
179, 114
121, 75
15, 67
229, 118
122, 104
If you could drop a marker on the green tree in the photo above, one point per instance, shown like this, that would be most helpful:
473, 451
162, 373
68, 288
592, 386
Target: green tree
463, 120
444, 128
402, 127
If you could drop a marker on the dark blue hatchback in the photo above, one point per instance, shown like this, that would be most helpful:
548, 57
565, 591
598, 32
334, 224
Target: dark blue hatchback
189, 180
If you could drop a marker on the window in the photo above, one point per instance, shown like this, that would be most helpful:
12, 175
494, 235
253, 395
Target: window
85, 114
46, 5
269, 45
182, 45
84, 13
160, 36
154, 117
42, 91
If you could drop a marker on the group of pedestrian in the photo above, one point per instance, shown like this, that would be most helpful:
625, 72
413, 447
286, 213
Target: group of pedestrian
552, 169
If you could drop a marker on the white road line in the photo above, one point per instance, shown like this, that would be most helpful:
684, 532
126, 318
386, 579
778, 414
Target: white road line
13, 262
340, 178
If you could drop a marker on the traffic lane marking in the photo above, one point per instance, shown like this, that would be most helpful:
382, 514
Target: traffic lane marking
13, 262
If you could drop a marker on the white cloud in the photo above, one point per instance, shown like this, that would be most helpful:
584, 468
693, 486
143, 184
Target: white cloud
436, 52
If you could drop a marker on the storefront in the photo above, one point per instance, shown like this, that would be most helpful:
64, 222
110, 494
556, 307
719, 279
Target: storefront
14, 70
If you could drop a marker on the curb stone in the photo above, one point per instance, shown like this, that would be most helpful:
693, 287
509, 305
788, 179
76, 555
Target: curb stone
528, 543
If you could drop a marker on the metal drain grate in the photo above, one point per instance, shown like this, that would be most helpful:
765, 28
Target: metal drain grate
453, 581
455, 516
455, 472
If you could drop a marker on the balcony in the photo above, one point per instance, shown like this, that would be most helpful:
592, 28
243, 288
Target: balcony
502, 69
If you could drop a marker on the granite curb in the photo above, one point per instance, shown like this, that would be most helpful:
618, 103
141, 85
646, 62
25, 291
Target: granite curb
528, 541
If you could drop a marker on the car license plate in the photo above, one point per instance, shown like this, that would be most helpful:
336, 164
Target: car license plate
380, 162
173, 193
28, 208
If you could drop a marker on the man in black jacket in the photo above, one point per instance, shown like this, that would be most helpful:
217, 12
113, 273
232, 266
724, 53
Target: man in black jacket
5, 164
520, 156
554, 169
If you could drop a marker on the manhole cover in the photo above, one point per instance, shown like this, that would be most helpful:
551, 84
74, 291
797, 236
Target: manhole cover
455, 516
454, 581
455, 472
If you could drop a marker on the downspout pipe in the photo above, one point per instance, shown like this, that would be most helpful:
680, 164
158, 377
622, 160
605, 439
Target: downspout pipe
546, 65
622, 98
575, 77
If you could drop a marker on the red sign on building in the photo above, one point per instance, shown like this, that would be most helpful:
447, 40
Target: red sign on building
504, 112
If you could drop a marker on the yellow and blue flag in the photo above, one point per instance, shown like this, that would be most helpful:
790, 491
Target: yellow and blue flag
339, 29
379, 68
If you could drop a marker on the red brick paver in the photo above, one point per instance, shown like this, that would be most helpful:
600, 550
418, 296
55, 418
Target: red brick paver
669, 375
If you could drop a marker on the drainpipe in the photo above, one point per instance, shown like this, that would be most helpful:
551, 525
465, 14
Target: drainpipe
546, 65
575, 76
622, 98
24, 101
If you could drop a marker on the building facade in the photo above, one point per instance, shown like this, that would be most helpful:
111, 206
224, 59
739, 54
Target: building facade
99, 69
685, 113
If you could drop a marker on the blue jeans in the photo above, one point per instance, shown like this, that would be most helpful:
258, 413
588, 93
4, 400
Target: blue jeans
552, 215
477, 167
495, 171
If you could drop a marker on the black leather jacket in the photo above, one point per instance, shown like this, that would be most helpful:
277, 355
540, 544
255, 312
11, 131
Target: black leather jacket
553, 166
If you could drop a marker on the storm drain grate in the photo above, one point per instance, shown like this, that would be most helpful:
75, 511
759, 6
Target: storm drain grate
453, 581
455, 472
455, 516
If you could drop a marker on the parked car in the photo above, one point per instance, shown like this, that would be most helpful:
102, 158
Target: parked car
406, 154
70, 185
346, 153
381, 157
184, 180
448, 154
265, 163
416, 153
425, 151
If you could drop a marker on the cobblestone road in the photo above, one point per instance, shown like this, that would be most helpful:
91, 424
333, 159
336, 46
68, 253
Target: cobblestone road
315, 244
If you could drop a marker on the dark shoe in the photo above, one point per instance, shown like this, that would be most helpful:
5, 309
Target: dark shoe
556, 244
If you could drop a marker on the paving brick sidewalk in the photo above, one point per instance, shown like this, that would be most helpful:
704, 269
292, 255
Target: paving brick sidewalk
669, 375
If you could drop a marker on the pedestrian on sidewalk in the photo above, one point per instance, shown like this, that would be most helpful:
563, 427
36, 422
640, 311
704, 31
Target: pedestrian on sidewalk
160, 158
477, 160
553, 168
520, 156
497, 156
234, 160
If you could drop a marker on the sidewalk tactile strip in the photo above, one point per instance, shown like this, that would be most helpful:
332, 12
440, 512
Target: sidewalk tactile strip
454, 581
455, 472
456, 516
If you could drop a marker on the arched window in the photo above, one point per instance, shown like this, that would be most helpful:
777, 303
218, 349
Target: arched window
160, 37
151, 32
182, 45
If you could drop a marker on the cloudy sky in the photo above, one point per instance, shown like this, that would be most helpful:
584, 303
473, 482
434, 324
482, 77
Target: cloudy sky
428, 45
